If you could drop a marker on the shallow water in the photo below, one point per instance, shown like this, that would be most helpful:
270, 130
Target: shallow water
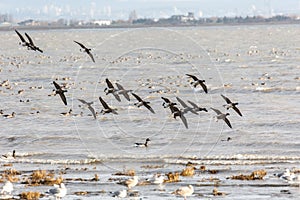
254, 65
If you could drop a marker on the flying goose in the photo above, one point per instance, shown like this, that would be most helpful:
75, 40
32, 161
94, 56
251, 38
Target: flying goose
196, 107
106, 109
178, 113
198, 82
232, 105
186, 108
89, 107
167, 103
111, 89
61, 92
141, 102
122, 91
222, 116
32, 45
87, 50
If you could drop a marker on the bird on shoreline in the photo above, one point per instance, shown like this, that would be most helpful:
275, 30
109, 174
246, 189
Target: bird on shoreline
106, 107
59, 191
61, 92
111, 90
7, 188
120, 194
10, 156
85, 49
130, 183
141, 102
198, 82
89, 107
232, 105
122, 91
222, 116
185, 191
142, 144
8, 116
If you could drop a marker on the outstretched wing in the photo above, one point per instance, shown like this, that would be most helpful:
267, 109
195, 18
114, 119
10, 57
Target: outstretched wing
63, 97
109, 84
93, 111
193, 104
149, 108
104, 104
183, 119
56, 85
91, 55
216, 110
20, 36
82, 101
181, 102
227, 122
193, 77
29, 39
203, 86
226, 99
237, 110
137, 97
82, 46
166, 99
120, 87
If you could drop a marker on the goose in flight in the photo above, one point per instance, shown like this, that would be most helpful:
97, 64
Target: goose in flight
232, 105
198, 82
32, 45
122, 91
111, 89
222, 116
186, 108
178, 113
106, 107
85, 49
141, 102
61, 92
167, 102
89, 107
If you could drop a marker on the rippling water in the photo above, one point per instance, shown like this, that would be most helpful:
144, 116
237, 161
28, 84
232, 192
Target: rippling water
258, 66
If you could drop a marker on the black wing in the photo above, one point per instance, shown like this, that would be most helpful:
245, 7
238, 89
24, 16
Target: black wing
203, 86
29, 39
193, 77
82, 46
149, 108
82, 101
20, 36
109, 84
56, 85
166, 99
91, 55
226, 99
228, 122
63, 98
93, 111
104, 103
237, 110
137, 97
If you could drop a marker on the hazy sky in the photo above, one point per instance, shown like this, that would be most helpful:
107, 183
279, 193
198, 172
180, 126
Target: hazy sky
120, 9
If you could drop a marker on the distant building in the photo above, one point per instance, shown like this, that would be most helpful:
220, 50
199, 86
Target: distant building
184, 18
102, 22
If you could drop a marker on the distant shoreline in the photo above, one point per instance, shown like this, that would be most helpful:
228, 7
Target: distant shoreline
129, 26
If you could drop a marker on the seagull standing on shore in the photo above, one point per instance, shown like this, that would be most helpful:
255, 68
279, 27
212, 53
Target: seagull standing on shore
185, 191
59, 191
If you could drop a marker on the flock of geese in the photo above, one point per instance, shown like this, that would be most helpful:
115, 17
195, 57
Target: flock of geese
177, 109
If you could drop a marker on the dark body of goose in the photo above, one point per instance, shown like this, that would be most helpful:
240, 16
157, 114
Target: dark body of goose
167, 102
142, 144
111, 90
